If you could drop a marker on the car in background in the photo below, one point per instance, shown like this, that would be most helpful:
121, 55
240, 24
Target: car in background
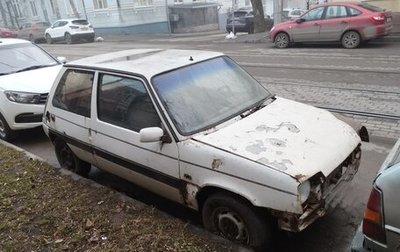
33, 31
27, 73
291, 14
69, 31
381, 223
348, 23
242, 20
6, 32
199, 130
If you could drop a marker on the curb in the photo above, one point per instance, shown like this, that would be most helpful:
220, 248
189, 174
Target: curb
196, 230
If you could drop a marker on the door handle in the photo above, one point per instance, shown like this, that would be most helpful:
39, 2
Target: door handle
316, 24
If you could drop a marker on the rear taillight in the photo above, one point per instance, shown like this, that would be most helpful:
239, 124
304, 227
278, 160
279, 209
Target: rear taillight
378, 18
74, 27
373, 225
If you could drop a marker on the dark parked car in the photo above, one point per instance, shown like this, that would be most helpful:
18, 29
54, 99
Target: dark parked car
381, 223
242, 21
347, 23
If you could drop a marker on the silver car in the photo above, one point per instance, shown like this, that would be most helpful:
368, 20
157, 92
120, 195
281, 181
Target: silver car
381, 223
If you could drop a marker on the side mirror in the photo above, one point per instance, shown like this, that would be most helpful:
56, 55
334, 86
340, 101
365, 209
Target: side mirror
151, 134
62, 59
300, 20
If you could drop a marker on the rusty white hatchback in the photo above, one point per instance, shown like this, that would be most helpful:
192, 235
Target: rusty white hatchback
197, 129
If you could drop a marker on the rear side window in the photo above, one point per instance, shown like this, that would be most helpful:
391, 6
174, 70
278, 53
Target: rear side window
80, 22
125, 102
354, 12
74, 92
370, 7
335, 11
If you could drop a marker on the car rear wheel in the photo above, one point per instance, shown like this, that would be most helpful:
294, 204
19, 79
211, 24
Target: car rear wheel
69, 160
68, 38
6, 133
282, 40
49, 40
351, 39
236, 220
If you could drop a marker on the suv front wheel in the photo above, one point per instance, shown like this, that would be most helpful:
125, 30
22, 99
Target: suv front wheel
6, 133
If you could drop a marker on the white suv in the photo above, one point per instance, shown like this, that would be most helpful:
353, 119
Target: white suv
197, 129
70, 30
27, 73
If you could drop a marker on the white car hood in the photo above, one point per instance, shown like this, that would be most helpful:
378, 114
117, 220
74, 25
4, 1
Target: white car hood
292, 137
35, 81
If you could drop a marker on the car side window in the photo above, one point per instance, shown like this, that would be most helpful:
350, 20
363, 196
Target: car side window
74, 91
314, 14
335, 11
125, 102
354, 12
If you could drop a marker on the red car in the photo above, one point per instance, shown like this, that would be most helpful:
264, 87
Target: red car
8, 33
347, 23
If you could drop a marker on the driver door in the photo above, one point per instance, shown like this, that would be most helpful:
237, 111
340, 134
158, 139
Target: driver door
309, 26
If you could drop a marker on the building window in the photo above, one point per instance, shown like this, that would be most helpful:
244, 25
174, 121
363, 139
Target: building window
144, 2
33, 8
178, 1
100, 4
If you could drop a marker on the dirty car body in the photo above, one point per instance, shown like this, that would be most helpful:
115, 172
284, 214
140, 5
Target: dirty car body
208, 131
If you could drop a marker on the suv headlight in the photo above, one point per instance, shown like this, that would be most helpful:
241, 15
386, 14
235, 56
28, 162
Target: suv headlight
304, 191
23, 97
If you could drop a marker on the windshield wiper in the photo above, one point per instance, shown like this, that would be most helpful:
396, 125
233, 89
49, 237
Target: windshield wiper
258, 106
31, 68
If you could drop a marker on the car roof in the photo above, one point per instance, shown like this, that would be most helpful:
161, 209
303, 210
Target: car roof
12, 41
338, 3
146, 62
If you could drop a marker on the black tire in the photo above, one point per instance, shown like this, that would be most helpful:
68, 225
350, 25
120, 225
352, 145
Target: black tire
351, 39
31, 38
236, 220
282, 40
251, 29
6, 133
68, 160
49, 40
68, 38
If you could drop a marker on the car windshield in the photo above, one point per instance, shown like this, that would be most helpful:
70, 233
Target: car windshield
200, 96
17, 57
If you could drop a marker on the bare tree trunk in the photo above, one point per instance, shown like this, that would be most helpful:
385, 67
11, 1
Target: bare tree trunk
73, 7
46, 15
119, 11
3, 14
259, 20
55, 4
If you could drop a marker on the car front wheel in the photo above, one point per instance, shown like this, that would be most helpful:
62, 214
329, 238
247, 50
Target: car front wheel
69, 160
282, 40
6, 133
351, 39
234, 219
49, 40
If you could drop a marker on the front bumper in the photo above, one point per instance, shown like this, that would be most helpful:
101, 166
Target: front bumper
21, 116
324, 190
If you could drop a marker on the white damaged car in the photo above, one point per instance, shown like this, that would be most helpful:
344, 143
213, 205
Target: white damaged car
194, 127
27, 73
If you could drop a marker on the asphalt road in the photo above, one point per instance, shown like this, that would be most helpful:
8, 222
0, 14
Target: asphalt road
375, 66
